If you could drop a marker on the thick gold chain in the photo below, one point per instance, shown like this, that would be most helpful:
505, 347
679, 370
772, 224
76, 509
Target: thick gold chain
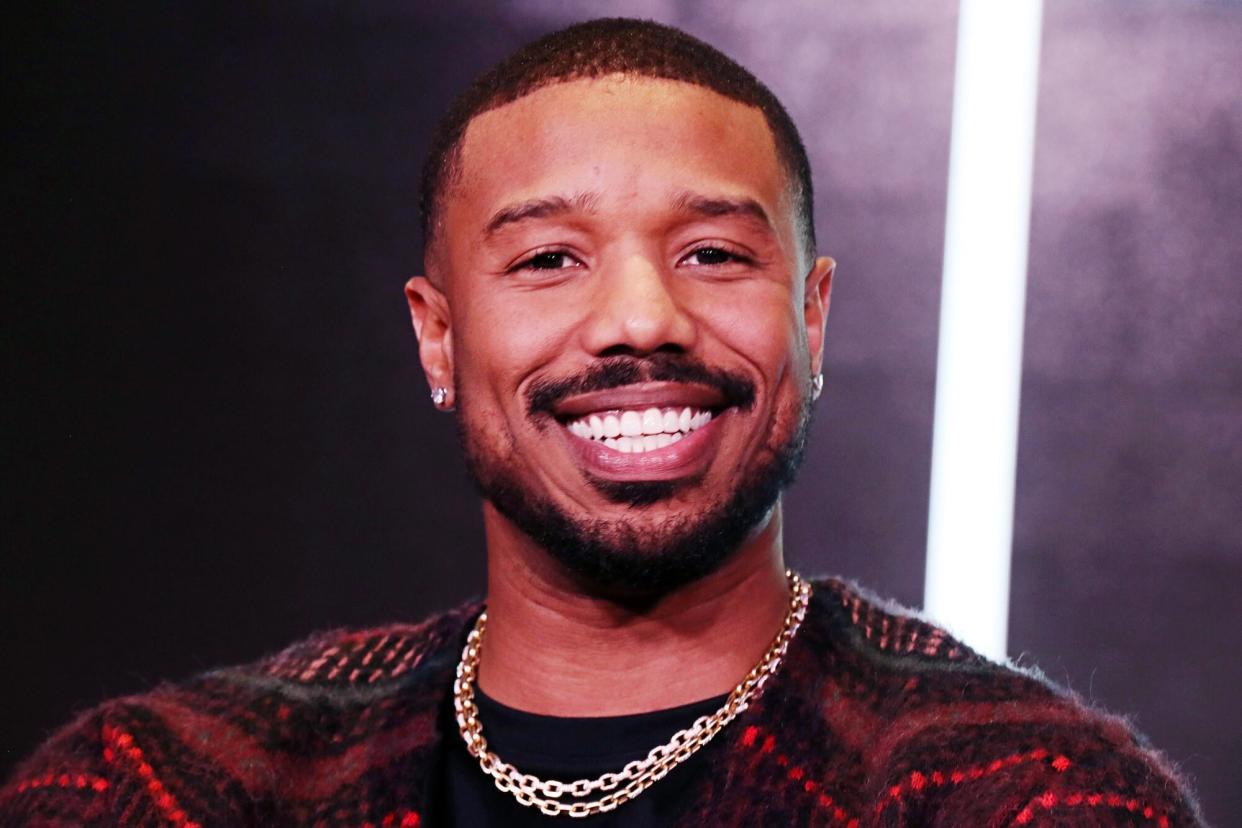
637, 776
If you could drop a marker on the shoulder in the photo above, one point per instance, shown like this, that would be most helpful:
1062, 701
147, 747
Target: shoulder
955, 738
366, 657
229, 738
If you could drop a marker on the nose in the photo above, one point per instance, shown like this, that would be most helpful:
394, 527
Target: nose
635, 309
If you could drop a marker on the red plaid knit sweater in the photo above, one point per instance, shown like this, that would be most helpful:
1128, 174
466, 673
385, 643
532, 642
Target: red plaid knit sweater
876, 719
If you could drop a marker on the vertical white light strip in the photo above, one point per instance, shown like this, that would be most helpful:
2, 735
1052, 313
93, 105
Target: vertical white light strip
979, 364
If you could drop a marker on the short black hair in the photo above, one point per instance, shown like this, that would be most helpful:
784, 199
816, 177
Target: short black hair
609, 46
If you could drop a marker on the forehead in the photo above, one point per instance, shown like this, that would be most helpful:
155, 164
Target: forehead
622, 138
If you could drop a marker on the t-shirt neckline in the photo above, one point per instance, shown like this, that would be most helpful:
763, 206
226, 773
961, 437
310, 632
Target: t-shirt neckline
520, 737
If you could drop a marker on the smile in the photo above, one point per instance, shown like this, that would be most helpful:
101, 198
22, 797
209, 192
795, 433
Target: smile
645, 431
637, 431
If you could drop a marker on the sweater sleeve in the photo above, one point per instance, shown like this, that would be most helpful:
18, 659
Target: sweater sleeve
1092, 772
65, 782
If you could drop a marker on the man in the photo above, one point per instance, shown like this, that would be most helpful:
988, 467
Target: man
624, 305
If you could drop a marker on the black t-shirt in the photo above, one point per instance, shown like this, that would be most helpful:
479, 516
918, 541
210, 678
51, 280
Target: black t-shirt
566, 749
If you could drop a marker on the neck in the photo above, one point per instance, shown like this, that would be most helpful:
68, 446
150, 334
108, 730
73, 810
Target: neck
553, 650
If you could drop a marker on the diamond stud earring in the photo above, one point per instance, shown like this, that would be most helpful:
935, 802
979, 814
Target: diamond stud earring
817, 386
439, 396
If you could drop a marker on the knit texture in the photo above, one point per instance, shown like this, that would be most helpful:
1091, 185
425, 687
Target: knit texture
876, 718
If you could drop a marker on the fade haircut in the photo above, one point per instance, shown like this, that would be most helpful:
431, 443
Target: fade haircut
609, 46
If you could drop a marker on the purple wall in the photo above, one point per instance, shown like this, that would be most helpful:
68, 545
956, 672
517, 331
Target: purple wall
223, 435
1127, 573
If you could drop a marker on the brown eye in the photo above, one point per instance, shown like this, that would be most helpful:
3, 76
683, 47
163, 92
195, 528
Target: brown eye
553, 260
546, 266
712, 256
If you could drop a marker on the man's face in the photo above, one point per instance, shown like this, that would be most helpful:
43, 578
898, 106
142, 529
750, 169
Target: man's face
627, 325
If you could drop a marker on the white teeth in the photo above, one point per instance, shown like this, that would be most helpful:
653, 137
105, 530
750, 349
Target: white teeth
631, 424
653, 421
635, 431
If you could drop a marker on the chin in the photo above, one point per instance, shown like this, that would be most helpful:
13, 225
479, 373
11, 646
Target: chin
642, 555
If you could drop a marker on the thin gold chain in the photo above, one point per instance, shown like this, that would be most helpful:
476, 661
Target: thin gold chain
637, 776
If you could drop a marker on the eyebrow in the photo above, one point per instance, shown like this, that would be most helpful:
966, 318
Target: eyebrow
537, 208
712, 207
693, 203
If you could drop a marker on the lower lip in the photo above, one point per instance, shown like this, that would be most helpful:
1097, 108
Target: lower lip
688, 457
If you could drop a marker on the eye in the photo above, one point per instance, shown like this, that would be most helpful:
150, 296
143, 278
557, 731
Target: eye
547, 260
712, 255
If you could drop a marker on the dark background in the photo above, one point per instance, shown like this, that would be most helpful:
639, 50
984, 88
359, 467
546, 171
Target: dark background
218, 436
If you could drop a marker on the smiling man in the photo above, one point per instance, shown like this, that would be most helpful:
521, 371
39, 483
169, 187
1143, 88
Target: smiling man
624, 306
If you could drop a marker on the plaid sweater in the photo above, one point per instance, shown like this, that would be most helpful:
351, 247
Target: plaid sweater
876, 719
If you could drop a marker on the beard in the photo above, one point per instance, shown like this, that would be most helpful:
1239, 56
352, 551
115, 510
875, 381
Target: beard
642, 559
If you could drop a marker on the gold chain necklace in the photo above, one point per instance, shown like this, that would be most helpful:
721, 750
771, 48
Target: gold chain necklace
637, 776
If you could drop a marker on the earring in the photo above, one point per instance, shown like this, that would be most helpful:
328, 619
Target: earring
817, 386
439, 396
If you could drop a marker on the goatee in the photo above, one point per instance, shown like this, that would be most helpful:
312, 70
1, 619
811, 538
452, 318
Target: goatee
638, 560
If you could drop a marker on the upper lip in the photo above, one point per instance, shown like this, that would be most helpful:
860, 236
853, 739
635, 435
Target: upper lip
643, 395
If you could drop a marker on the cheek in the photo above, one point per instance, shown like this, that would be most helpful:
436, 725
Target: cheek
502, 339
759, 323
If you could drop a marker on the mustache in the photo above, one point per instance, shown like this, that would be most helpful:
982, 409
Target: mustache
542, 396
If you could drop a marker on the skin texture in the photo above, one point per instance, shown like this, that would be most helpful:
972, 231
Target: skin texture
636, 258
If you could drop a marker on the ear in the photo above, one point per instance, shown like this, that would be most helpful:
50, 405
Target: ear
429, 311
817, 298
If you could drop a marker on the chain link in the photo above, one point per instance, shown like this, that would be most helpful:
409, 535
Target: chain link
636, 776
